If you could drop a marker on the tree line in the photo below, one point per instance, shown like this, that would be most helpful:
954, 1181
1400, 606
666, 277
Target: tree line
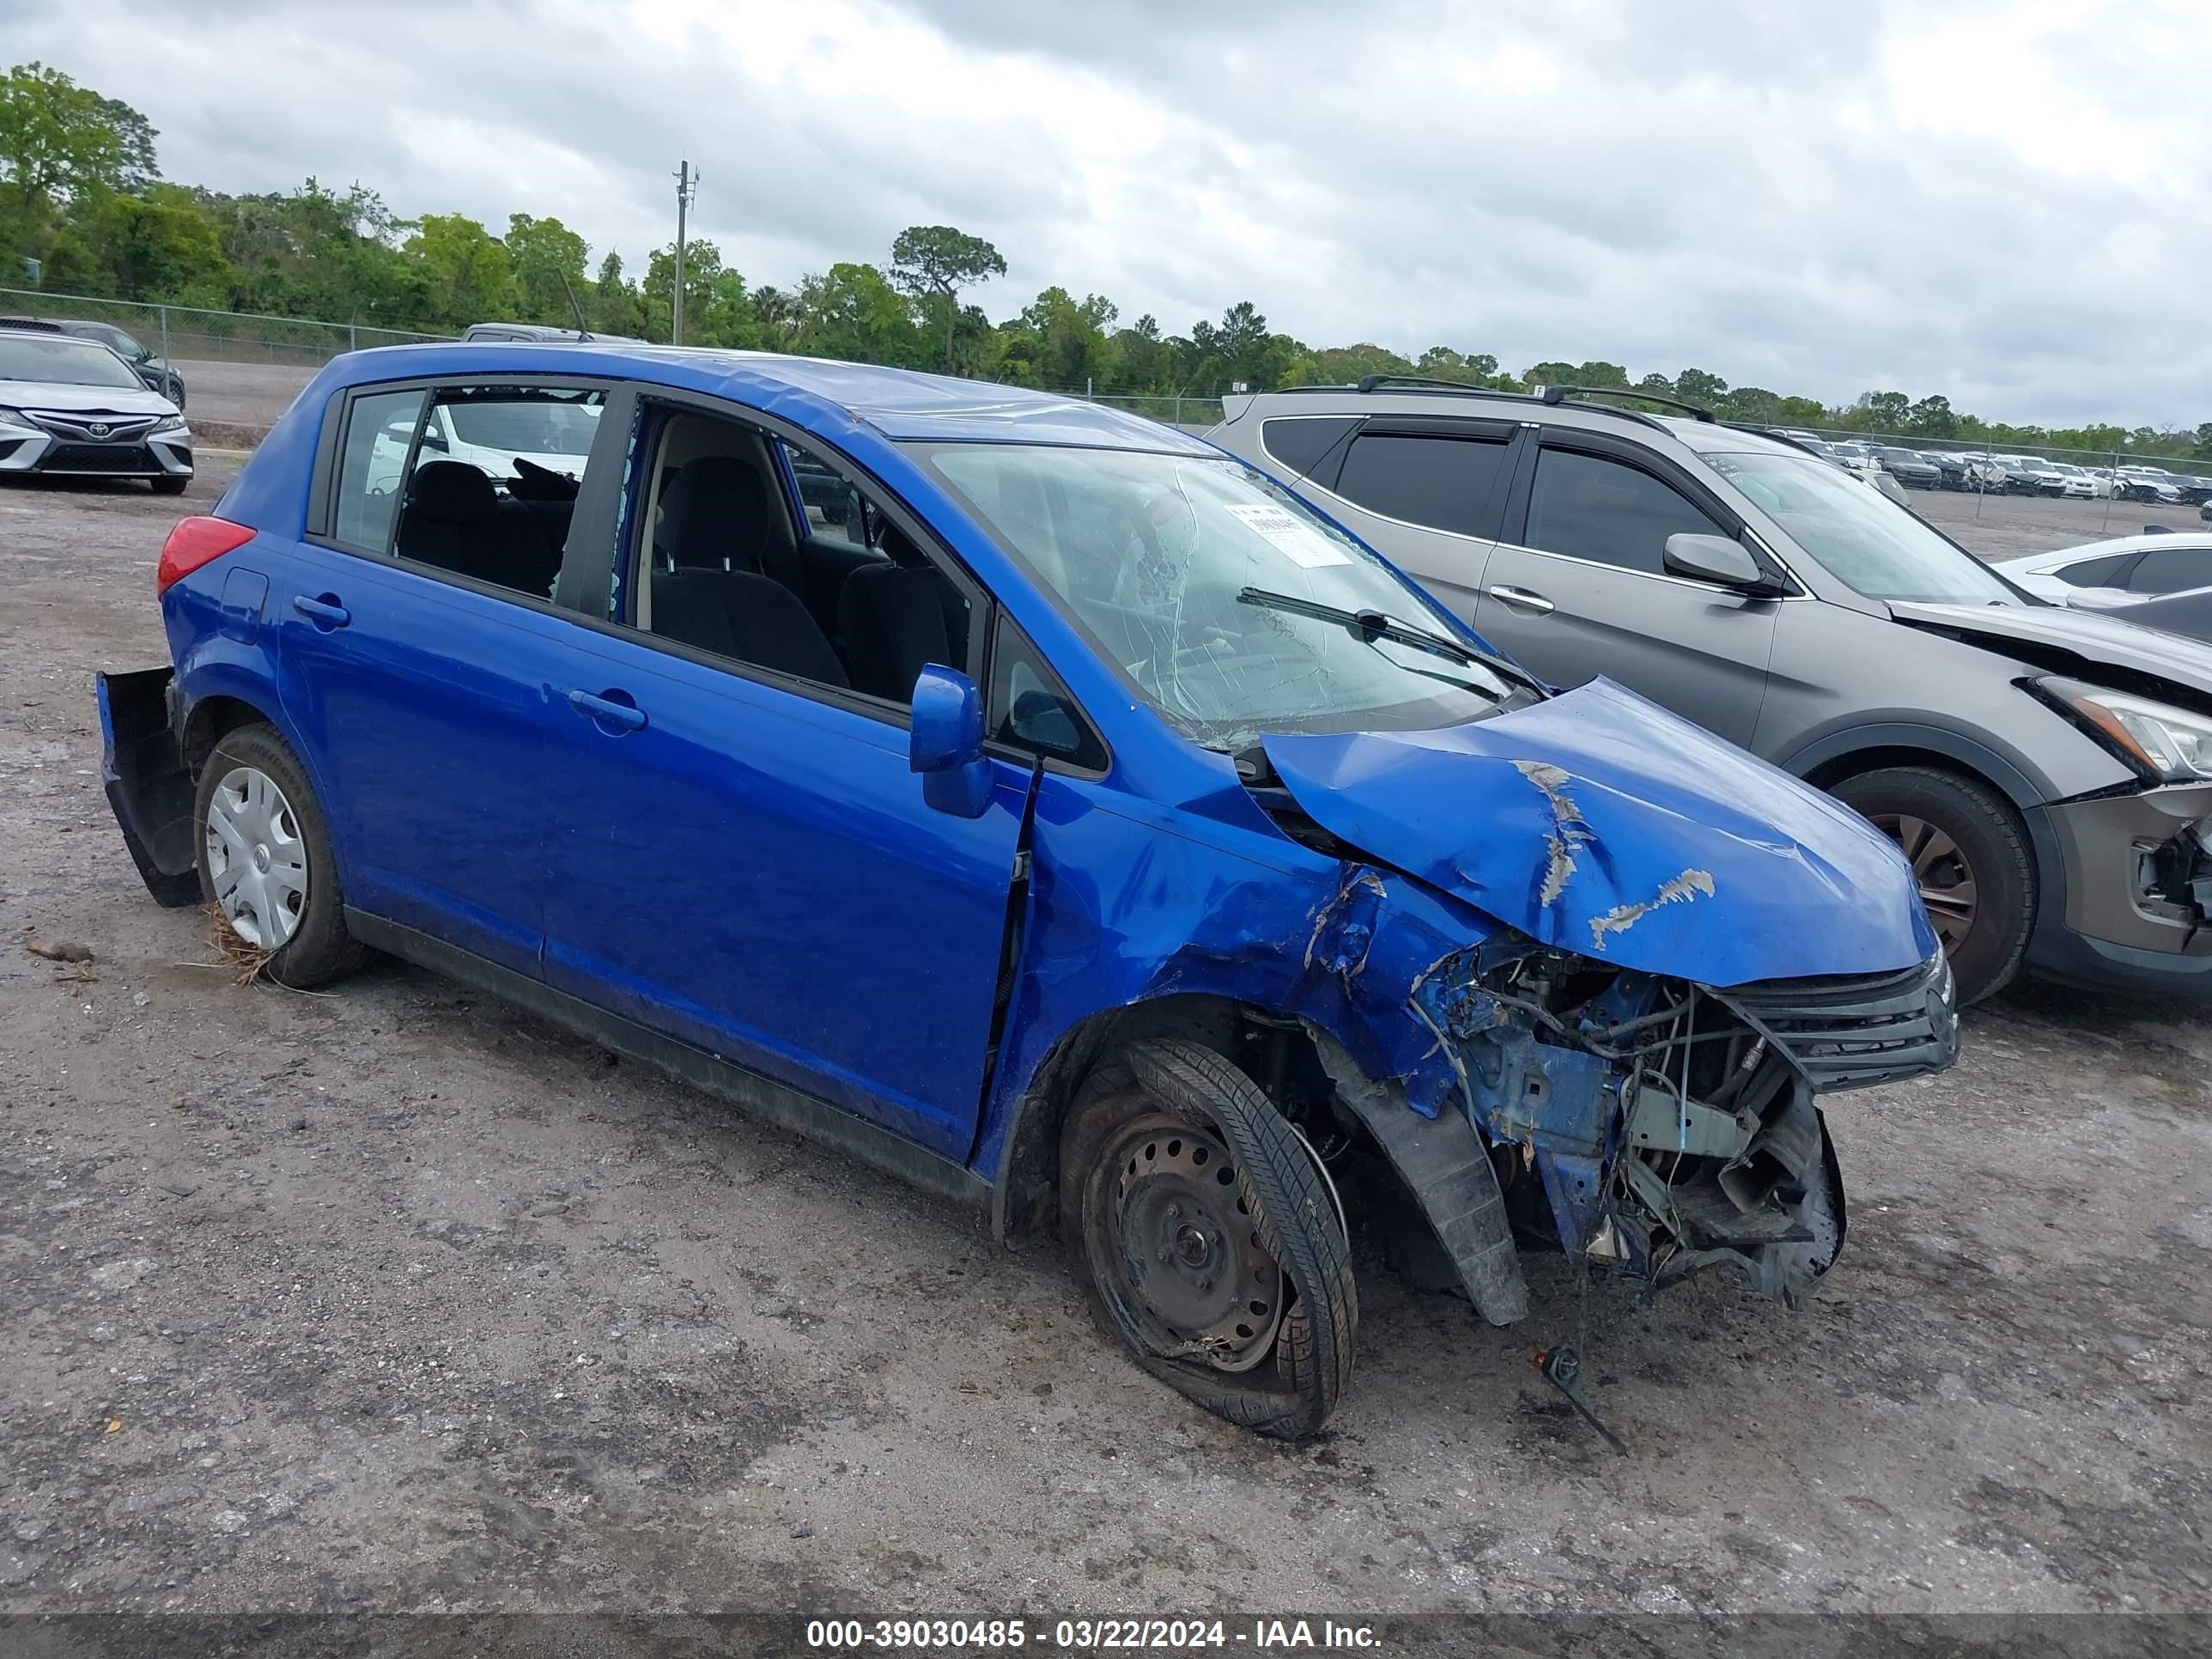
81, 195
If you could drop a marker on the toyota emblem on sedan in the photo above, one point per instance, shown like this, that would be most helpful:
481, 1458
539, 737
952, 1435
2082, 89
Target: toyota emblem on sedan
98, 428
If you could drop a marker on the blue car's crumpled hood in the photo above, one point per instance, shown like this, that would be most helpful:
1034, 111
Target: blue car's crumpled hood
1600, 824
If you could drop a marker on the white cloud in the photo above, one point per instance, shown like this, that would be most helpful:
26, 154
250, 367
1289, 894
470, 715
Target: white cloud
2002, 202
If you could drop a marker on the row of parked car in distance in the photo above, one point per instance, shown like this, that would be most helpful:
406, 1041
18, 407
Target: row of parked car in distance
2005, 474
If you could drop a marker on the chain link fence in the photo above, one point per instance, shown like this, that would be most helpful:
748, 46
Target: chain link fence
1192, 413
1986, 467
186, 333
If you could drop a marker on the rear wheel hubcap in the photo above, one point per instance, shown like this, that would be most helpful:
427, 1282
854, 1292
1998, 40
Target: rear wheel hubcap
257, 858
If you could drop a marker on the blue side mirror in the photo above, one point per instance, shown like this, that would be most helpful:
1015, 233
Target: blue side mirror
945, 743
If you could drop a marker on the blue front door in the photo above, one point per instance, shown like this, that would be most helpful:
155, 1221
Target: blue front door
753, 871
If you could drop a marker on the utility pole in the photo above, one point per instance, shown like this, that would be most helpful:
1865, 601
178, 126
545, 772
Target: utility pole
687, 187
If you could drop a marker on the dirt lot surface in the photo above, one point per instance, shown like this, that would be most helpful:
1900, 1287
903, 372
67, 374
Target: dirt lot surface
390, 1299
240, 394
2008, 526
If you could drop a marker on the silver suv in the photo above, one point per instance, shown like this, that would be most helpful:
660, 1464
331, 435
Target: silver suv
2048, 772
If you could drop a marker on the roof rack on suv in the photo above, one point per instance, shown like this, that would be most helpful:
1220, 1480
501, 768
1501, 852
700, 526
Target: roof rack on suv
1558, 394
1551, 396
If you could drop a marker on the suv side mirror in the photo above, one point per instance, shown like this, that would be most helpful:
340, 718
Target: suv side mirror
945, 743
1712, 559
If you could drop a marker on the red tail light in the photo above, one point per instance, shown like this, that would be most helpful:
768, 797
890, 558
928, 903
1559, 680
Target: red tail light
193, 543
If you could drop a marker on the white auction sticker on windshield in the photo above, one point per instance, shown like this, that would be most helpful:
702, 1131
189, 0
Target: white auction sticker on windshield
1282, 530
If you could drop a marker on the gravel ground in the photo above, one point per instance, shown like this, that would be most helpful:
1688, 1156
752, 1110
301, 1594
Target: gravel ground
390, 1298
240, 394
2007, 526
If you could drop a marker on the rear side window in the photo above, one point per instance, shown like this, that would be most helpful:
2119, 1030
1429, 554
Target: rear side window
494, 483
1299, 442
379, 429
1443, 483
2170, 569
2093, 573
1590, 507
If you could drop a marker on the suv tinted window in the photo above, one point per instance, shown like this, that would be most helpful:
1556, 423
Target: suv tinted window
2092, 573
2170, 569
1594, 508
1299, 442
1439, 482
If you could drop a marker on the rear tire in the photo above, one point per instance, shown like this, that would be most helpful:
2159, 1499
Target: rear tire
1969, 854
314, 947
1147, 1269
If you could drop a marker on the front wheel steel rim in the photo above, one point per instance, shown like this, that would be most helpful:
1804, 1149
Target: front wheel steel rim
1187, 1274
257, 858
1945, 878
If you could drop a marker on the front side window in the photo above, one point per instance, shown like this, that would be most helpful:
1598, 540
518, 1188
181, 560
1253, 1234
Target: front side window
1590, 507
2170, 569
1439, 482
1218, 597
1864, 540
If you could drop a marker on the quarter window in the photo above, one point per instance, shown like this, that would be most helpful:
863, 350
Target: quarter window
1590, 507
2093, 573
379, 429
1030, 707
1443, 483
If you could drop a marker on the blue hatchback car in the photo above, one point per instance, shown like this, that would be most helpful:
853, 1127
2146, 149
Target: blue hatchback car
1034, 802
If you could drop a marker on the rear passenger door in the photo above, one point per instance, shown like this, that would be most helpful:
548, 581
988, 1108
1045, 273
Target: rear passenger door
1578, 587
1425, 492
418, 640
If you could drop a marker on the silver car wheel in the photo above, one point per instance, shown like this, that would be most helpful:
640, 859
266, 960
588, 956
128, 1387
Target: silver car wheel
257, 858
1945, 878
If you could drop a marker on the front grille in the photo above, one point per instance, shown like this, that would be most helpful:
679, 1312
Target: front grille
1848, 1033
131, 459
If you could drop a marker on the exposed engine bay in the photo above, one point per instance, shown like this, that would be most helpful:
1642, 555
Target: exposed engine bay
1656, 1129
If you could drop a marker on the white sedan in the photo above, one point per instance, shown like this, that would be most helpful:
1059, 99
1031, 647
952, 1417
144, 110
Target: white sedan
2124, 571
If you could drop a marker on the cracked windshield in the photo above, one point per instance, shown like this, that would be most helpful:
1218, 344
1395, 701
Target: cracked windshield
1221, 599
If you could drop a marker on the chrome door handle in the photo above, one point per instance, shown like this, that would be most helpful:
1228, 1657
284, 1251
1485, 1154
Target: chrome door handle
1521, 598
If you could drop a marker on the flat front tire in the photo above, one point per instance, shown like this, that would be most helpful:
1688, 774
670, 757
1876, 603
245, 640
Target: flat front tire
265, 862
1206, 1237
1969, 857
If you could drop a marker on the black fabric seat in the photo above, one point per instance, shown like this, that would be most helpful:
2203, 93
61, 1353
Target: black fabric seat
716, 514
453, 520
894, 616
740, 615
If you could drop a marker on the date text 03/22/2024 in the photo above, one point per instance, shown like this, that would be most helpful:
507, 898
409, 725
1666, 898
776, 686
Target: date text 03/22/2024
1085, 1635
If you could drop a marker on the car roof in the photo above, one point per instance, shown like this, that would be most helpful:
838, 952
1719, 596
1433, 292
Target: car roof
900, 402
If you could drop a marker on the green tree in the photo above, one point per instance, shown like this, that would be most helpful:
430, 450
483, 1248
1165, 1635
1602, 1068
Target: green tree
59, 141
615, 305
1884, 411
472, 276
1695, 386
1931, 418
1060, 341
160, 247
852, 311
717, 310
548, 258
933, 263
1551, 374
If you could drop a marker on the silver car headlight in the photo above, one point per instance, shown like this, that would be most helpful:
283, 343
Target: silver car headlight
2169, 744
165, 424
13, 417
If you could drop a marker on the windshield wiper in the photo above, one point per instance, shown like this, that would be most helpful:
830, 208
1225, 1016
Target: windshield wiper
1368, 626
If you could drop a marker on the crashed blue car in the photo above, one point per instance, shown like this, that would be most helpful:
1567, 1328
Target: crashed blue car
1034, 802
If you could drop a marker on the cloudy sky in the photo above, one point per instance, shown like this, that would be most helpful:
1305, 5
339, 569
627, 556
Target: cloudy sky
2007, 201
